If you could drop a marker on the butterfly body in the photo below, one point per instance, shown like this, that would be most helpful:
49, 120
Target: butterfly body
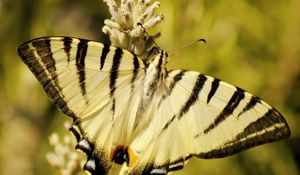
154, 76
132, 117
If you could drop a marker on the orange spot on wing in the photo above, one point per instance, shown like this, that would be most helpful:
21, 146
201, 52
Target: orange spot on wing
133, 156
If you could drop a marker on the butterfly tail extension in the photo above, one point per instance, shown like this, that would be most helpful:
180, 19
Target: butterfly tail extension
97, 160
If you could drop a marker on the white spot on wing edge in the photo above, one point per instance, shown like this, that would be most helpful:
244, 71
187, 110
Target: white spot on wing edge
90, 165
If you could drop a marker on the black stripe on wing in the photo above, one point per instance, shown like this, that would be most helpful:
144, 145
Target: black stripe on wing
176, 79
168, 123
165, 168
271, 118
194, 95
43, 67
178, 164
104, 53
253, 101
233, 103
114, 71
43, 50
80, 65
190, 101
67, 46
136, 66
172, 85
214, 86
261, 132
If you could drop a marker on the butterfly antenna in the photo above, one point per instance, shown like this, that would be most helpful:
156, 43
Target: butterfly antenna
141, 25
186, 45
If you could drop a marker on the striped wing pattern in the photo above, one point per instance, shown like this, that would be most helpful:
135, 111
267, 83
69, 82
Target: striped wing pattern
187, 114
222, 118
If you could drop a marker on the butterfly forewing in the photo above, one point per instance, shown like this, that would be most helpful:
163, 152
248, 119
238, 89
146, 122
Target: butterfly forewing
221, 119
98, 85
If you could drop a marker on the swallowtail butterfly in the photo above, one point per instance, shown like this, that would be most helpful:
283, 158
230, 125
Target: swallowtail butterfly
133, 118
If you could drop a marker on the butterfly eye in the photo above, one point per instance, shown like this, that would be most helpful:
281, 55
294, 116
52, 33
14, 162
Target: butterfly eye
155, 51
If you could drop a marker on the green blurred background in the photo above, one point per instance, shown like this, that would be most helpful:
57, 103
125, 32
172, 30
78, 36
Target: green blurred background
252, 44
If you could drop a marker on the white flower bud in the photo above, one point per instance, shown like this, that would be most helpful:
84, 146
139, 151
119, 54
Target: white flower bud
123, 29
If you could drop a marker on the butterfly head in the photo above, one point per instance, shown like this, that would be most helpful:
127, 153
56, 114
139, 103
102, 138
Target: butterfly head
158, 55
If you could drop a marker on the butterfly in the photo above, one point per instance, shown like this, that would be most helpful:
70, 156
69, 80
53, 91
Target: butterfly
133, 117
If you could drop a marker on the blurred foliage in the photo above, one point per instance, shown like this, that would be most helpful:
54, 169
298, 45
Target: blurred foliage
252, 44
